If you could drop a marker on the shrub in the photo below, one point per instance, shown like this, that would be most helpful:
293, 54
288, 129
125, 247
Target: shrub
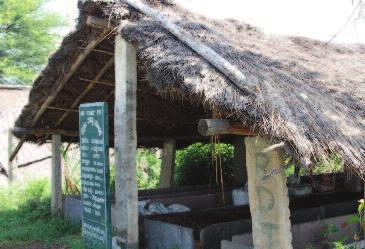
194, 164
148, 169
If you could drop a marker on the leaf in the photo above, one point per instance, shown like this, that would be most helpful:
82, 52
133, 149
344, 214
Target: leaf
329, 229
360, 208
344, 239
353, 219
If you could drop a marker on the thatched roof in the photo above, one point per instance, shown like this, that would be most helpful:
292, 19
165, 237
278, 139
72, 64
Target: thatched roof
305, 92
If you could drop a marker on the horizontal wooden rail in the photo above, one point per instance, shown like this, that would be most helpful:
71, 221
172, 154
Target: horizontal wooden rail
208, 127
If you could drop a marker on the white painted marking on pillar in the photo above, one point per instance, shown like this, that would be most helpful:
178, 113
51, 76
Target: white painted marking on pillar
269, 203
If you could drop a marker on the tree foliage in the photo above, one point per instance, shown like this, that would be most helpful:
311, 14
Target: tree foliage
148, 169
27, 37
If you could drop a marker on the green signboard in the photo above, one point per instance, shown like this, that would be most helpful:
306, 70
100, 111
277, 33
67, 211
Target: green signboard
94, 147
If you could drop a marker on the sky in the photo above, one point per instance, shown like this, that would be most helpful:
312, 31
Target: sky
318, 19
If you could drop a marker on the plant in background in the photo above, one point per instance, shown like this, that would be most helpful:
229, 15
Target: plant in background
72, 170
148, 169
194, 164
332, 164
310, 246
343, 242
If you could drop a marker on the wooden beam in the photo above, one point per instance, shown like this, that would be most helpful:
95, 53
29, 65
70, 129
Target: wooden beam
17, 148
69, 110
10, 163
56, 178
111, 84
99, 23
104, 83
33, 162
125, 143
44, 131
61, 109
99, 51
168, 163
77, 101
268, 196
178, 138
208, 127
59, 86
72, 133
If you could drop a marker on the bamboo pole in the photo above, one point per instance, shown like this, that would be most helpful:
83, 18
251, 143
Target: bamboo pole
86, 91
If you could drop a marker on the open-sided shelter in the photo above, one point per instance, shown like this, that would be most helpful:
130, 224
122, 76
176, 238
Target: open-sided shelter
162, 69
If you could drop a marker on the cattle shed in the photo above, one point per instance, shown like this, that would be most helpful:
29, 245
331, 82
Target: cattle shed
172, 78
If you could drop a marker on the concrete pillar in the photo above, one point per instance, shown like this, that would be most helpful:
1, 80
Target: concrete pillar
269, 203
239, 171
168, 163
125, 143
10, 163
56, 178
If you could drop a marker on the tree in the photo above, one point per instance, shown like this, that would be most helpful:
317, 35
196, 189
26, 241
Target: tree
27, 37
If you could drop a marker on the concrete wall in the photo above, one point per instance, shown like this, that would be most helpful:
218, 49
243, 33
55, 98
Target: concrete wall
307, 227
308, 232
12, 101
161, 235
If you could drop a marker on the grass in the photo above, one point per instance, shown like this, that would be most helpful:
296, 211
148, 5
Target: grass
25, 219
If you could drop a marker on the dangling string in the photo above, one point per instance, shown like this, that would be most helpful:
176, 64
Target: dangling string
216, 158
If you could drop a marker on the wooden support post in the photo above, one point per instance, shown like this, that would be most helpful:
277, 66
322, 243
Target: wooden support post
10, 163
125, 143
268, 195
56, 178
208, 127
168, 163
99, 23
239, 171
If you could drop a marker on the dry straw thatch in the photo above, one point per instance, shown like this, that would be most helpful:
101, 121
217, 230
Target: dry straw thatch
298, 90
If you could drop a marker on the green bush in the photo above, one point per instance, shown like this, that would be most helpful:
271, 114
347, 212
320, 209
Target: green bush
194, 164
148, 170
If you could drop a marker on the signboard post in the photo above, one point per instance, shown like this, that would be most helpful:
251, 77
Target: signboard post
94, 146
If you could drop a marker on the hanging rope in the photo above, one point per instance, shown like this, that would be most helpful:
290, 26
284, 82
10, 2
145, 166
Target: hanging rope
216, 158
